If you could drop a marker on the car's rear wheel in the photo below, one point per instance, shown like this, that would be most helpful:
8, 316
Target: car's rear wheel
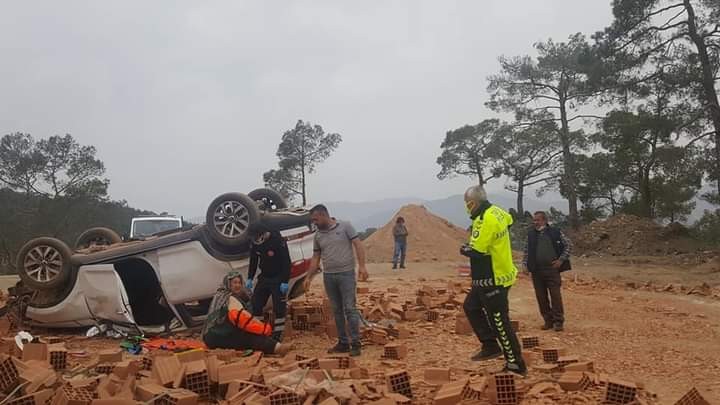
269, 200
230, 217
44, 263
97, 237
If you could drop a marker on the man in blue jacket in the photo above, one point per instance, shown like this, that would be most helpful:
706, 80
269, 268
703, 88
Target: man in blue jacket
547, 254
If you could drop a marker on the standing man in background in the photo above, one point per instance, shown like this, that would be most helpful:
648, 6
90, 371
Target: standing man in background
493, 273
547, 254
269, 250
334, 243
400, 234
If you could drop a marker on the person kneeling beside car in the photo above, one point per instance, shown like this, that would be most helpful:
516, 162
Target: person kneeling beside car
230, 325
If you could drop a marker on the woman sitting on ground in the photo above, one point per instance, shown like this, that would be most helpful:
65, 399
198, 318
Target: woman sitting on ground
230, 325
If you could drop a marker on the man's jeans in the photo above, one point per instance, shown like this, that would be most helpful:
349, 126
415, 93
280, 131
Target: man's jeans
341, 289
400, 251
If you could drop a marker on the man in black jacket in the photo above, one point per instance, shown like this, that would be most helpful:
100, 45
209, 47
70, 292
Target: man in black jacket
270, 251
547, 254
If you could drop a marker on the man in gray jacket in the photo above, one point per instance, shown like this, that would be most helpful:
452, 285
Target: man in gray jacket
400, 234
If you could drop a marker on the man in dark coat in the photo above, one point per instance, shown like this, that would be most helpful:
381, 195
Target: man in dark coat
547, 254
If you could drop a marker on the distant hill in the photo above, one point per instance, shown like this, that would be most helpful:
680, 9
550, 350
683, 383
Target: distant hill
374, 214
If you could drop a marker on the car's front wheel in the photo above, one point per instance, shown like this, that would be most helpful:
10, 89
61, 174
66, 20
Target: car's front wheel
230, 217
44, 263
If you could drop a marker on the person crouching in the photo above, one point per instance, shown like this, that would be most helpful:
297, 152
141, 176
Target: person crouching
230, 325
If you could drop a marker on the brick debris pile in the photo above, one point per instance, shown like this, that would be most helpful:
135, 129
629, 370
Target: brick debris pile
44, 373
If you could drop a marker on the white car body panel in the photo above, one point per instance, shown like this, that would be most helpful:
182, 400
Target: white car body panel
187, 272
105, 294
97, 294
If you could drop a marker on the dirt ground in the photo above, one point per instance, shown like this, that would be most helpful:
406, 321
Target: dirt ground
667, 342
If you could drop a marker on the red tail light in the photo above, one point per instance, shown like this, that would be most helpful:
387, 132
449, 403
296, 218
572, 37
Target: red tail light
299, 268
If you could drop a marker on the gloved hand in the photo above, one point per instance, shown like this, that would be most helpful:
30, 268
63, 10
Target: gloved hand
284, 287
465, 250
249, 284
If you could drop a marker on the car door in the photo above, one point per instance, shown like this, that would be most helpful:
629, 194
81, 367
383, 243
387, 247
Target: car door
105, 293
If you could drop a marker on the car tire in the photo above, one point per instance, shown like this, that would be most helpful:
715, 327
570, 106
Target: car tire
230, 217
44, 263
97, 236
268, 199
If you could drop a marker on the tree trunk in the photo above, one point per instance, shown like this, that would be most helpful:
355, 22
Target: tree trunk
303, 157
520, 197
568, 167
645, 194
708, 83
479, 169
302, 179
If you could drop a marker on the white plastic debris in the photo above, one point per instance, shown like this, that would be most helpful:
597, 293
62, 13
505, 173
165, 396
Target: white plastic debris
23, 337
96, 330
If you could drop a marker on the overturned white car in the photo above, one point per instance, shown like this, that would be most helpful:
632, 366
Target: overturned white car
162, 282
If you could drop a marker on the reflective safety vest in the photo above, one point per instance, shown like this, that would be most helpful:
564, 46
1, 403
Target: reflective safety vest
243, 319
491, 236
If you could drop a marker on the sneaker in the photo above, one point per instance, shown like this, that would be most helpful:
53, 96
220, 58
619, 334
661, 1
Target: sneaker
355, 350
339, 348
521, 372
487, 353
402, 266
558, 327
547, 326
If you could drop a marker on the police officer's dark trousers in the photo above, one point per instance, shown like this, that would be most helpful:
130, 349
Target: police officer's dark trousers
487, 310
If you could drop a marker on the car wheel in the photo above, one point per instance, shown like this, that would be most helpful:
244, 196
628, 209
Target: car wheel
269, 200
44, 263
97, 237
230, 217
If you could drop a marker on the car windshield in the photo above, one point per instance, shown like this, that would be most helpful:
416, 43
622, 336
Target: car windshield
153, 226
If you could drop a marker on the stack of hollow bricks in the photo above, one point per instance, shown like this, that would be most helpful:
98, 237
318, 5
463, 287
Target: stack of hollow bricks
309, 316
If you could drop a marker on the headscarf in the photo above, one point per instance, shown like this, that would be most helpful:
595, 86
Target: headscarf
219, 305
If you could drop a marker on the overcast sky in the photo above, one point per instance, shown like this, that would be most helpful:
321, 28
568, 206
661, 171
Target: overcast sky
186, 100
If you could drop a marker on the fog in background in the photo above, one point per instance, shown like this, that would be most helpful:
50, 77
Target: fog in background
185, 101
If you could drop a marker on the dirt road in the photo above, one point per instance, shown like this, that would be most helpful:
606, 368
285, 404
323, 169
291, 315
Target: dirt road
667, 342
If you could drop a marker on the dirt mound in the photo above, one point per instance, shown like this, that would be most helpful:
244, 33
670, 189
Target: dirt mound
431, 238
629, 235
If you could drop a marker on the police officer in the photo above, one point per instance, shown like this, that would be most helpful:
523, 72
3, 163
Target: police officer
269, 250
493, 273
